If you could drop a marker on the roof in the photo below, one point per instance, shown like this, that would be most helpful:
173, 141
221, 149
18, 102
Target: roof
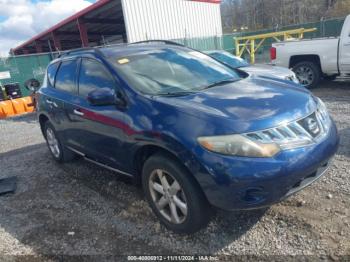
124, 49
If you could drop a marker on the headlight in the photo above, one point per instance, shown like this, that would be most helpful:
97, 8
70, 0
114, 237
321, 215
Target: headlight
293, 77
324, 117
321, 105
238, 145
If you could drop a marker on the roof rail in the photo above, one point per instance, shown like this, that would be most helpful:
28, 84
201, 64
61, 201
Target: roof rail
95, 48
167, 42
69, 52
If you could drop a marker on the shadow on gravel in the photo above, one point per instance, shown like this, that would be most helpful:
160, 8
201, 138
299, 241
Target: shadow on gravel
81, 209
28, 118
21, 151
339, 84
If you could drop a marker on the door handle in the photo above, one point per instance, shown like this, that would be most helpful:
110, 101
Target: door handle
78, 112
50, 102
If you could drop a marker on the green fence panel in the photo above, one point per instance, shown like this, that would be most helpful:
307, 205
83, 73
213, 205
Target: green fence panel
22, 68
202, 43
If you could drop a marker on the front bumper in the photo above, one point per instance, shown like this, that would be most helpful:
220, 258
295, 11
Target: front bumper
236, 183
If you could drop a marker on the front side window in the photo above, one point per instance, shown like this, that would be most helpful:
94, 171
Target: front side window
172, 71
65, 78
93, 75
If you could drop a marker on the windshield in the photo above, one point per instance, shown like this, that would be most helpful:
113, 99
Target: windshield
170, 71
231, 60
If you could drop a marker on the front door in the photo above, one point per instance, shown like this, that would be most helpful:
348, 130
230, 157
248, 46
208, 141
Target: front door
97, 131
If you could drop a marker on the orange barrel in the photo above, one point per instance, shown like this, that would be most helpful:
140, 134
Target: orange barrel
6, 109
28, 104
18, 106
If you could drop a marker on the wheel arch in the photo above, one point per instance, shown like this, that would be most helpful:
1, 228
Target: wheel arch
305, 58
42, 120
185, 159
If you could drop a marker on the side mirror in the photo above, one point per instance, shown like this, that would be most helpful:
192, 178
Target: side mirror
102, 97
32, 85
106, 97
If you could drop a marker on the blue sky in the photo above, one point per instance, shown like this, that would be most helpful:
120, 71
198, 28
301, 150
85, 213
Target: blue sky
2, 18
22, 19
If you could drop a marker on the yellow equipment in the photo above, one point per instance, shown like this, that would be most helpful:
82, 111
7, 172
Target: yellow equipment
15, 107
252, 43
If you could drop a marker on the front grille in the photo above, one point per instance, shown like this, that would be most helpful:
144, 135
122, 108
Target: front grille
311, 125
297, 133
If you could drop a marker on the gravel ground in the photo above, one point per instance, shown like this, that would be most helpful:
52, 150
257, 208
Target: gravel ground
79, 209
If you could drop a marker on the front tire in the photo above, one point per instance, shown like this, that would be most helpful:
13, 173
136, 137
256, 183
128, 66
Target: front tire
174, 195
308, 74
56, 148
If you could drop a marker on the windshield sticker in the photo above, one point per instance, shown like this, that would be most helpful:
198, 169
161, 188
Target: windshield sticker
123, 61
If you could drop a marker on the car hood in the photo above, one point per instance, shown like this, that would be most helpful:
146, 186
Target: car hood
248, 105
268, 70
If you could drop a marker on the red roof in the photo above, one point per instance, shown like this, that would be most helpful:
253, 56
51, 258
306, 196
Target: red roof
68, 20
78, 15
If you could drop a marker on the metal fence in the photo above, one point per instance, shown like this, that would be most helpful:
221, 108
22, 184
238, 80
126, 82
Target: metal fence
22, 68
325, 28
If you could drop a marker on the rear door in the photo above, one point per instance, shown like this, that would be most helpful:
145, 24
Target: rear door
66, 92
50, 101
97, 131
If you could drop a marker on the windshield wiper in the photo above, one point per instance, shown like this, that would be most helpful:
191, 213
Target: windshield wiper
180, 93
221, 82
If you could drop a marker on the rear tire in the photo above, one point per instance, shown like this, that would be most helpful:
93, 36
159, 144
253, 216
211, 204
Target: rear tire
308, 74
170, 189
56, 148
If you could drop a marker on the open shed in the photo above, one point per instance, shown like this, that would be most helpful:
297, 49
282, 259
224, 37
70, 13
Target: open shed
116, 21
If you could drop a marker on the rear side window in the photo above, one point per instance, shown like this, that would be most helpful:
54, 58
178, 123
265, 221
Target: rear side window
51, 73
93, 75
65, 78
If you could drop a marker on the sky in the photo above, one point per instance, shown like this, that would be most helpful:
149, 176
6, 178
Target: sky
22, 19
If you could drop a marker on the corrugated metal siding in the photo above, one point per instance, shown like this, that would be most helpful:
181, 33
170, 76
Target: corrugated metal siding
171, 19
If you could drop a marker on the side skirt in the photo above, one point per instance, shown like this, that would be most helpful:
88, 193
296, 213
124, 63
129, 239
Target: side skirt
100, 164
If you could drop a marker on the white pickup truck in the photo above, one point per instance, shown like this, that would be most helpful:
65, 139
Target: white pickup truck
314, 59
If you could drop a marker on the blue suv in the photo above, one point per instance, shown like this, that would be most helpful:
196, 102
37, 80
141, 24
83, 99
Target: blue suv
196, 133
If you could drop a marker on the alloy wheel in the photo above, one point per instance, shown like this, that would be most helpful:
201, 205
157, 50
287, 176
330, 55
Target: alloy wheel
305, 75
52, 142
168, 196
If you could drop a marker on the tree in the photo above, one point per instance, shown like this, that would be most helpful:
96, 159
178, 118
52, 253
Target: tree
242, 15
